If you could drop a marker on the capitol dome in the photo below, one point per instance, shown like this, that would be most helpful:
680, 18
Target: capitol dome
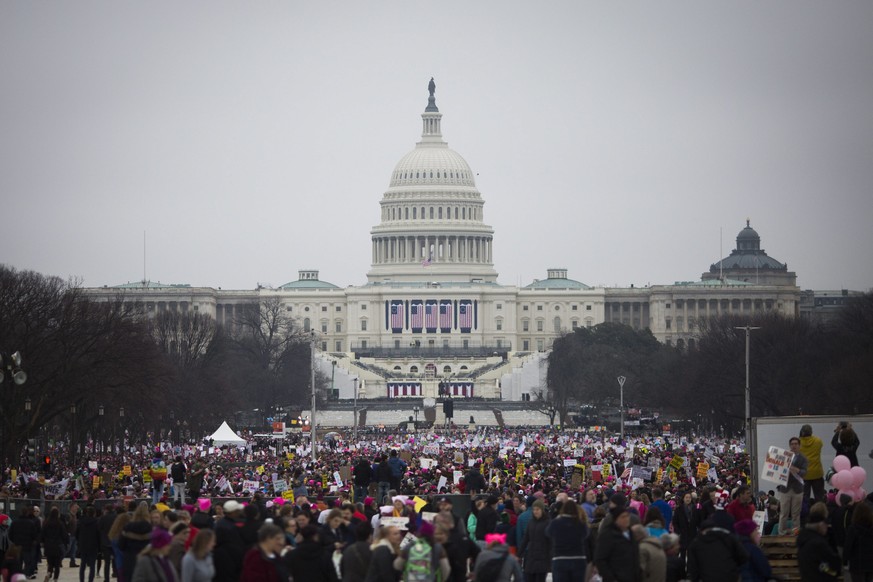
431, 165
432, 226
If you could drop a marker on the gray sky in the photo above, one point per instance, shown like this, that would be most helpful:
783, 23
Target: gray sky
253, 139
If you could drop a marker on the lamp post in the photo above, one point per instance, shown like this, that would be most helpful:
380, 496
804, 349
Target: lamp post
621, 381
73, 434
355, 428
748, 425
121, 420
415, 409
100, 412
312, 381
10, 367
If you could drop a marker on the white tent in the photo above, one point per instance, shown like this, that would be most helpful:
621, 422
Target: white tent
225, 436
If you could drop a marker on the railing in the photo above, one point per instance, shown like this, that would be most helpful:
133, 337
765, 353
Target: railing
431, 352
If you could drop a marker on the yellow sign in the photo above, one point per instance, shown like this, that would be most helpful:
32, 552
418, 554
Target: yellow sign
146, 477
677, 462
660, 476
288, 495
702, 469
419, 503
14, 474
260, 470
289, 455
606, 469
127, 471
519, 470
95, 482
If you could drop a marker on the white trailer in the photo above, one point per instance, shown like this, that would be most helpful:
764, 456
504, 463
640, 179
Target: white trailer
777, 430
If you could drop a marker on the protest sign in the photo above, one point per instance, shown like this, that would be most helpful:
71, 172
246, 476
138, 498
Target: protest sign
776, 465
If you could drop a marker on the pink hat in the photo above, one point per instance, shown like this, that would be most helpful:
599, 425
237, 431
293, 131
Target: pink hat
204, 504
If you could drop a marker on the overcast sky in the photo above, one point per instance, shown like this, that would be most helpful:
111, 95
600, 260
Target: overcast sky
253, 139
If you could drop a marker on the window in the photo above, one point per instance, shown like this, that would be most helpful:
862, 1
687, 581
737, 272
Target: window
525, 308
306, 324
413, 369
557, 323
499, 324
339, 346
465, 346
339, 326
500, 343
363, 307
396, 344
539, 307
525, 397
669, 324
447, 369
324, 307
540, 345
668, 306
288, 308
445, 343
499, 306
396, 368
431, 212
557, 308
363, 344
587, 308
440, 212
339, 307
575, 308
525, 325
539, 325
525, 345
323, 327
306, 309
323, 346
363, 325
574, 324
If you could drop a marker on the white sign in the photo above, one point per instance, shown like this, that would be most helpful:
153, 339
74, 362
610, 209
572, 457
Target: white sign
776, 465
426, 463
442, 483
457, 475
279, 485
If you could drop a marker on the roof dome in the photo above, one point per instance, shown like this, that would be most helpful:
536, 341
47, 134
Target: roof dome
430, 165
748, 234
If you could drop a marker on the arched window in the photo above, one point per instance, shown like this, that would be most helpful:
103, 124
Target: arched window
464, 213
557, 324
456, 213
415, 213
306, 324
431, 212
447, 369
407, 213
440, 212
413, 369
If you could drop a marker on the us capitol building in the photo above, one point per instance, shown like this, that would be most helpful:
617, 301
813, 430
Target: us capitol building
432, 312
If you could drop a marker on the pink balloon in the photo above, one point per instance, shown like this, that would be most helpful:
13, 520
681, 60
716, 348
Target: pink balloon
842, 463
842, 480
860, 494
858, 476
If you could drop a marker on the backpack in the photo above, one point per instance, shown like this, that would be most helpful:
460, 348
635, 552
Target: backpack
490, 570
419, 563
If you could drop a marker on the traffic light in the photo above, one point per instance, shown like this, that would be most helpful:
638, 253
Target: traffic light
47, 463
31, 452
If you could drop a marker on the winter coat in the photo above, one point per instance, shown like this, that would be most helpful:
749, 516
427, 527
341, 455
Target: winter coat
817, 561
258, 567
653, 560
230, 550
510, 570
309, 563
536, 547
355, 562
24, 532
757, 569
54, 539
617, 556
154, 569
88, 536
381, 564
135, 536
715, 556
850, 450
486, 522
858, 551
567, 536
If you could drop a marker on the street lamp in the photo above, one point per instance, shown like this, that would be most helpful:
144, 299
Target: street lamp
621, 381
100, 412
355, 428
415, 409
312, 381
27, 404
123, 430
73, 434
748, 329
10, 367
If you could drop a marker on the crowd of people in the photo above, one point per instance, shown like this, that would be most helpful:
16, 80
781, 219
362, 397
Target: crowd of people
486, 505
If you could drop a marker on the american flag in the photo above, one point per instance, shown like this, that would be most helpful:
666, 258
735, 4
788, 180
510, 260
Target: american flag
445, 316
465, 316
426, 262
397, 316
430, 316
415, 316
